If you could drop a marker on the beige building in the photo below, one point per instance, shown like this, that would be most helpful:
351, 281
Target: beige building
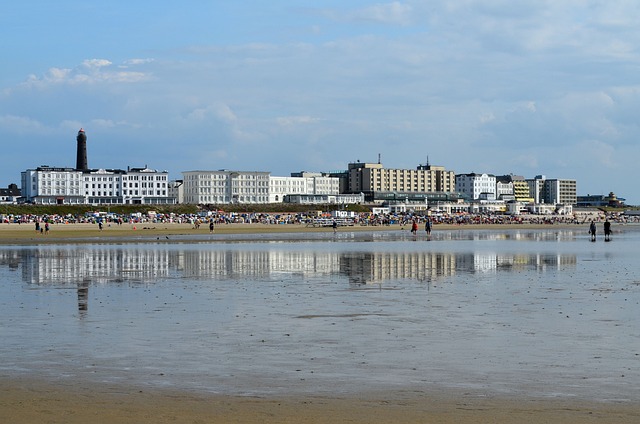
373, 178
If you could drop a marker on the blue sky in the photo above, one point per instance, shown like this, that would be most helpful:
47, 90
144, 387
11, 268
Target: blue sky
496, 86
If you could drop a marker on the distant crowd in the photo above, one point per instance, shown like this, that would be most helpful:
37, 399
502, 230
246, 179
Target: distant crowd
361, 219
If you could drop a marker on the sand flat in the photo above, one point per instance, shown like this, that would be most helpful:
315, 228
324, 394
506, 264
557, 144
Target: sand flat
33, 402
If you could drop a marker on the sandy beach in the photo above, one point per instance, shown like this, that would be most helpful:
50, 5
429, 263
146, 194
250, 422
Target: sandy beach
36, 402
26, 234
25, 401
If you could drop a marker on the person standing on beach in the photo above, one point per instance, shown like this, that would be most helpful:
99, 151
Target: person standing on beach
592, 230
427, 227
335, 226
414, 227
607, 230
211, 226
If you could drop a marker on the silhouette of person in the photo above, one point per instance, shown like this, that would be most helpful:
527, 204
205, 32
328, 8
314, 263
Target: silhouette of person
607, 230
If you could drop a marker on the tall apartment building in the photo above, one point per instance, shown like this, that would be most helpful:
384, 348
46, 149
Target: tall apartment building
553, 191
476, 186
226, 187
49, 185
379, 183
560, 191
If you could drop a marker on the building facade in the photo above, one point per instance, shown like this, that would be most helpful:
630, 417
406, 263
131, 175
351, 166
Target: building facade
302, 183
476, 186
377, 182
10, 195
51, 186
553, 191
226, 187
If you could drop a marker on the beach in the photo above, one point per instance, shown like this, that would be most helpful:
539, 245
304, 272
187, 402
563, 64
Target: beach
150, 231
36, 399
35, 402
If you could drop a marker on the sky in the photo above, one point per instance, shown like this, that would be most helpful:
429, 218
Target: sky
529, 87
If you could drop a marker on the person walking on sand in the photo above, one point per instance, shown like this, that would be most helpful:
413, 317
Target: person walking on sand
335, 226
607, 230
427, 227
414, 228
592, 230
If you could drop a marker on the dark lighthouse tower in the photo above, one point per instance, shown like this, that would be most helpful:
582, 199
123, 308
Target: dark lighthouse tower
81, 157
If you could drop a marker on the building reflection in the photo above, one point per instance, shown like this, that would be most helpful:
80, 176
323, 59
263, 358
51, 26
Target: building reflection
80, 267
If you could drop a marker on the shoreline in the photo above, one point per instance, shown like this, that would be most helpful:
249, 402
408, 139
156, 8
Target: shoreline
33, 401
25, 234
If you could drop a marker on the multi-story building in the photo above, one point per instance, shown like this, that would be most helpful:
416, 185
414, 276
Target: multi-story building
302, 183
513, 187
560, 191
225, 187
476, 186
427, 182
320, 182
279, 187
48, 185
553, 191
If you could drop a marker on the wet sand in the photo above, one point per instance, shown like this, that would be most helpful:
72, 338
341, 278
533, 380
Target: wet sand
34, 402
38, 401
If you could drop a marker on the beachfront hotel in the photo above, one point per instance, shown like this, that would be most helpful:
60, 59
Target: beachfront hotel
426, 183
48, 185
256, 187
225, 187
57, 186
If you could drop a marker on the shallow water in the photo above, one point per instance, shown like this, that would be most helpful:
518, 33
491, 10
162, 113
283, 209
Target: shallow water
525, 312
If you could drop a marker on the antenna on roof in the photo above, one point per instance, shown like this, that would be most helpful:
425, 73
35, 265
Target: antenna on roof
378, 158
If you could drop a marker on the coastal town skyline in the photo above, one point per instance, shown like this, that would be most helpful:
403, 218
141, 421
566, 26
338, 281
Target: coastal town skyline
489, 87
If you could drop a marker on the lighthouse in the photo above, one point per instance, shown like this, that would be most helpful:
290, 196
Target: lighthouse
81, 157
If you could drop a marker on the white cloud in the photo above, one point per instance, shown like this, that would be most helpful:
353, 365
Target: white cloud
90, 71
396, 13
21, 125
140, 61
96, 63
291, 121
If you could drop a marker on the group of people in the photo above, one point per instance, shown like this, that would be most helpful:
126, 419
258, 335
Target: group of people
427, 227
42, 229
607, 230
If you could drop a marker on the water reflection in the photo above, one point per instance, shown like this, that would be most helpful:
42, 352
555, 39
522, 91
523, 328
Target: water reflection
86, 265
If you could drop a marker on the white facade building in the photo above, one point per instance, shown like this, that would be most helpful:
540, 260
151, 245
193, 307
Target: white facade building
225, 187
308, 183
279, 187
48, 185
476, 186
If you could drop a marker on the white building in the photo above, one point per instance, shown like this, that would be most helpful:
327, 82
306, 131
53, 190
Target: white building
176, 190
476, 186
225, 187
48, 185
329, 199
279, 187
302, 183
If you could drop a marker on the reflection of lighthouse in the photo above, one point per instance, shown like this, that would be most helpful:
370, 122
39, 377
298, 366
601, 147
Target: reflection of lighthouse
81, 157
